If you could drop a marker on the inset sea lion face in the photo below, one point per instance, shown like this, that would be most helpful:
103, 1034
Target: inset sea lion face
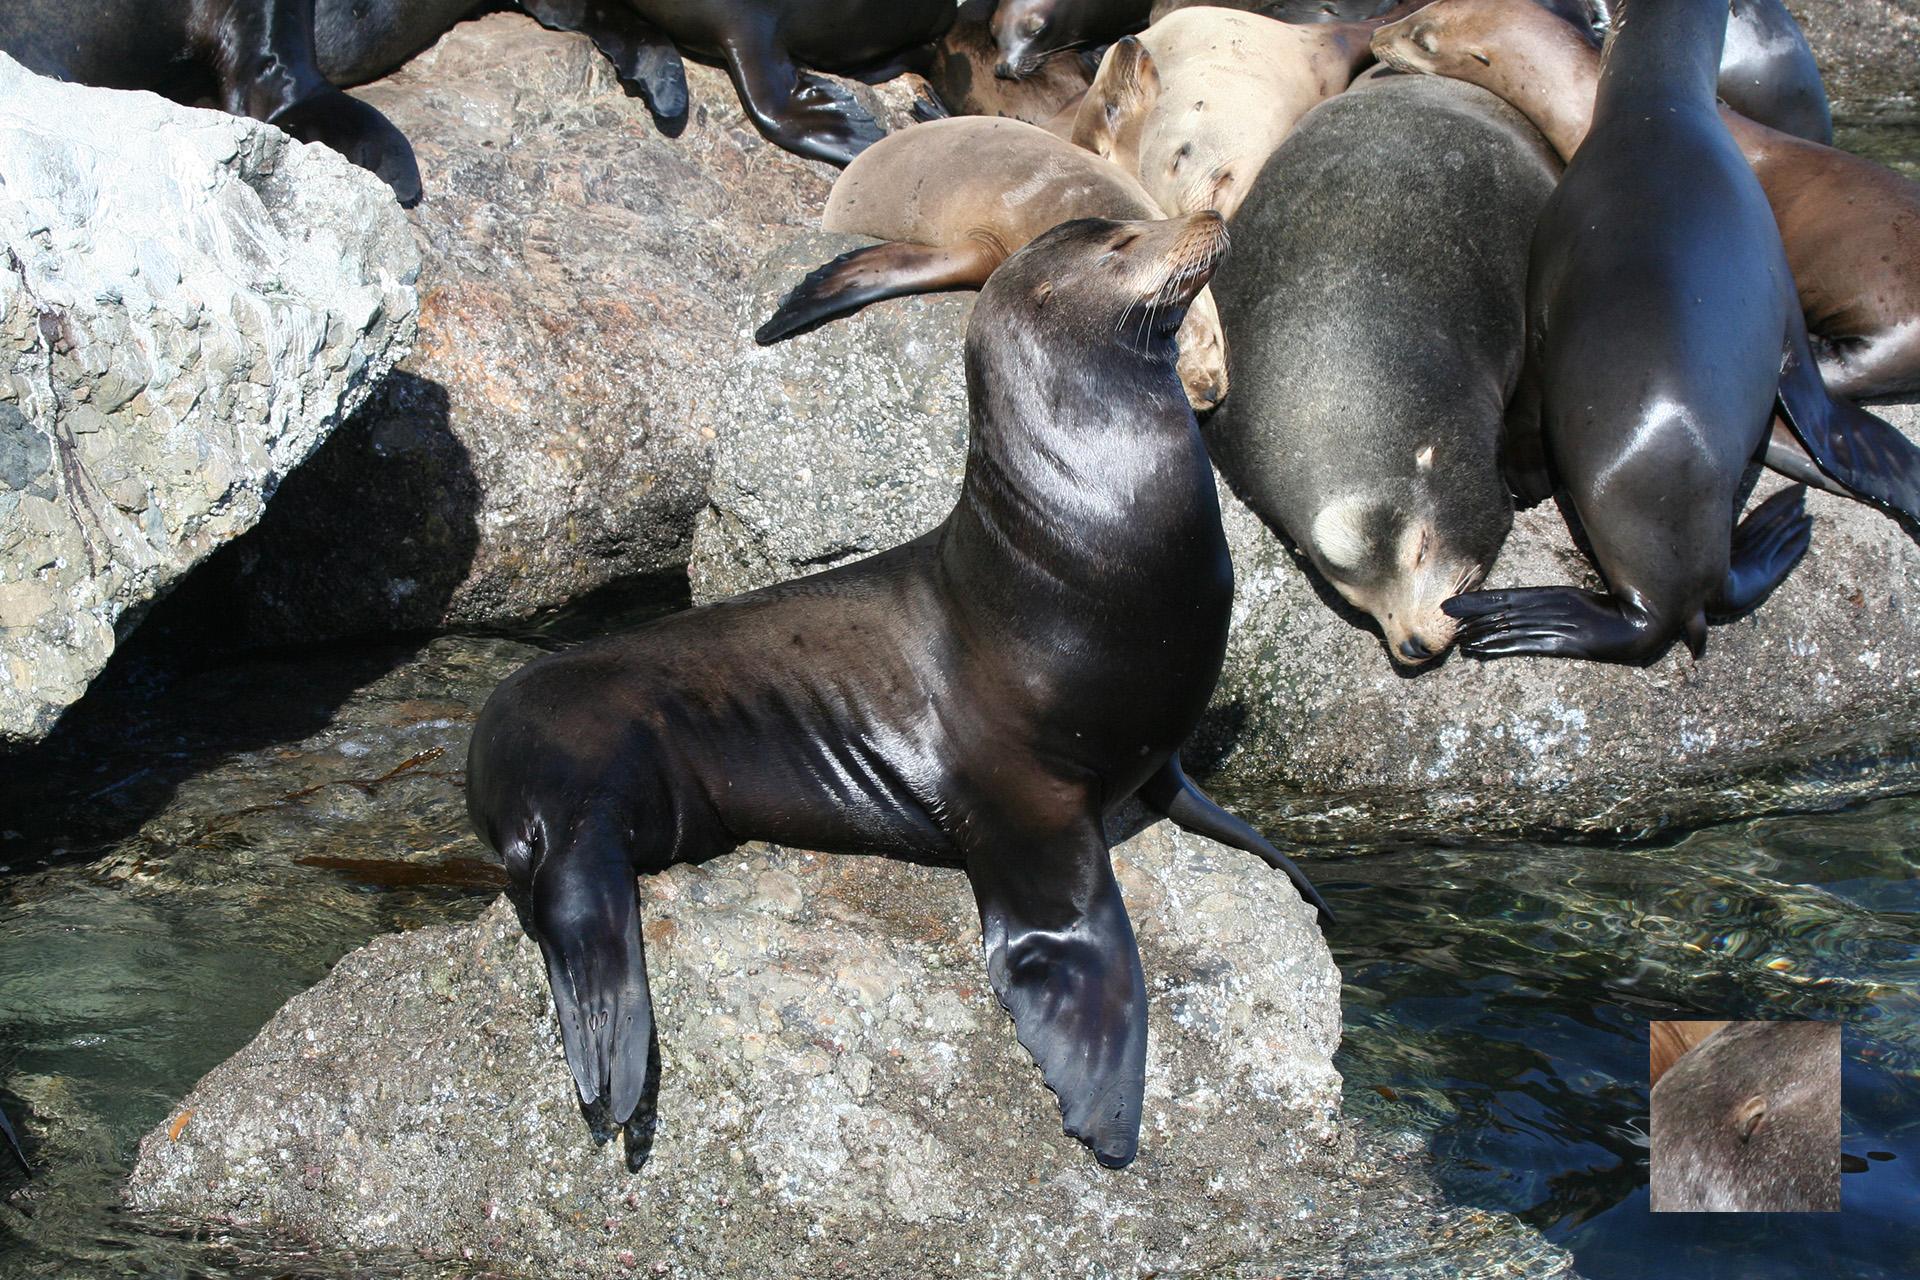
1463, 38
1390, 559
1096, 283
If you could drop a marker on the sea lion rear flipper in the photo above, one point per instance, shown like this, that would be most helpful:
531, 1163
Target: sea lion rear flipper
1116, 103
1863, 452
928, 107
1062, 958
13, 1140
863, 276
1766, 546
643, 56
1172, 793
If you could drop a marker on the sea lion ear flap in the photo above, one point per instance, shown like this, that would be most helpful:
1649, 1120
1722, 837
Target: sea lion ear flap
1117, 103
1062, 958
1748, 1115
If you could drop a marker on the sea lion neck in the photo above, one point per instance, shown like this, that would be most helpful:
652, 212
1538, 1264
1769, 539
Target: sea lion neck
1663, 50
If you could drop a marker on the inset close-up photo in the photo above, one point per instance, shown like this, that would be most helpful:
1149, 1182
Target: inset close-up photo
1746, 1117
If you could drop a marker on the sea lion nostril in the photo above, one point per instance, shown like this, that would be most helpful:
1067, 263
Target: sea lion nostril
1415, 648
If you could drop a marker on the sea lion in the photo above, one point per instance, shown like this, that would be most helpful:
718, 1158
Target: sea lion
1027, 31
1377, 290
1668, 1042
985, 694
1849, 226
1658, 255
1301, 12
1195, 104
1749, 1122
962, 81
955, 199
1767, 71
251, 57
764, 45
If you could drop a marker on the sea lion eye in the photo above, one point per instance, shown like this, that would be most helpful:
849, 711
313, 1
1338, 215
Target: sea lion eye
1479, 57
1427, 41
1033, 26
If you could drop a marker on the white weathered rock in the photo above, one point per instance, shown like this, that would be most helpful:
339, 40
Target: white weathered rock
189, 302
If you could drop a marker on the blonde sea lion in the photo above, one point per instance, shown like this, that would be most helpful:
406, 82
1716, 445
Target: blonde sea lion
955, 199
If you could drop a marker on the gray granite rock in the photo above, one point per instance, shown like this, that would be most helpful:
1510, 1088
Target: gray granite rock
1868, 51
1810, 699
189, 303
841, 1094
579, 297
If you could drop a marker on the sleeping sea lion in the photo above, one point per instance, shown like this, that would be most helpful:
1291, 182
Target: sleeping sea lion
955, 199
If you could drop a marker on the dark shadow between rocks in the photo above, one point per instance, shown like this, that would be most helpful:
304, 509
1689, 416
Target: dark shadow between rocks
372, 535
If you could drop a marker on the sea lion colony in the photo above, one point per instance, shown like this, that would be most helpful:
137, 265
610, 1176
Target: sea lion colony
1086, 461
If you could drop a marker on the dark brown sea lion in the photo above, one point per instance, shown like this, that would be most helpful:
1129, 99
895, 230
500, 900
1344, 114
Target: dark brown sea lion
1663, 330
252, 57
986, 694
955, 199
1749, 1122
1027, 31
961, 75
1851, 228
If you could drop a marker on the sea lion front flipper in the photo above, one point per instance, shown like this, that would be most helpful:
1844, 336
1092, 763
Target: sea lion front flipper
1865, 453
586, 917
1558, 622
1062, 958
861, 277
806, 114
1172, 793
13, 1140
1766, 546
643, 56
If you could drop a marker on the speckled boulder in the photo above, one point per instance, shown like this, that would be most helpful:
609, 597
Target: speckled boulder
841, 1093
1811, 699
579, 327
1867, 51
189, 303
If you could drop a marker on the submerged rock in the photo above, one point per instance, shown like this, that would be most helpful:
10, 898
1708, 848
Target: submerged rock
553, 431
189, 303
1811, 698
840, 1094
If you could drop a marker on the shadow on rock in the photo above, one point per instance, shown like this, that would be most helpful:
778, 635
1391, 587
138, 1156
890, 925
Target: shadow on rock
337, 556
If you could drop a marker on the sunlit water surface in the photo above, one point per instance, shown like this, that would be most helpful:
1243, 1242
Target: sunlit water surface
197, 845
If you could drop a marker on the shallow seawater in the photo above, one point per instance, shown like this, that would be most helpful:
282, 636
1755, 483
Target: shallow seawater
1497, 1001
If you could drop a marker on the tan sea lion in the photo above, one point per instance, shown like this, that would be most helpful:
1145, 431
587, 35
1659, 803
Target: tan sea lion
1195, 104
1668, 1042
956, 198
1851, 227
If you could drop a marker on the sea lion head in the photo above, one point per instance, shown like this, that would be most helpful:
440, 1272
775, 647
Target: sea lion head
1026, 31
1464, 38
1095, 284
1399, 552
531, 795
